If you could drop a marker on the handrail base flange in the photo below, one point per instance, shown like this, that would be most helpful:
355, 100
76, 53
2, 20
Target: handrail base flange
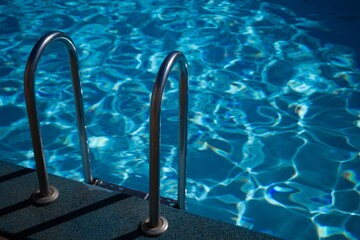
150, 231
40, 200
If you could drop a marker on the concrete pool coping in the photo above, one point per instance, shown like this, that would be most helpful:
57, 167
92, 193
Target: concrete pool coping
86, 212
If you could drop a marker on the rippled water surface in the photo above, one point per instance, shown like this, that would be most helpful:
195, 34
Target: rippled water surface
274, 104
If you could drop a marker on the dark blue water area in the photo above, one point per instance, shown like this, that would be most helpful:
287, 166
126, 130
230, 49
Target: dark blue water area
340, 20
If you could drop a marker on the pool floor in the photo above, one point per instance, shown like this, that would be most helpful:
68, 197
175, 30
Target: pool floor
87, 212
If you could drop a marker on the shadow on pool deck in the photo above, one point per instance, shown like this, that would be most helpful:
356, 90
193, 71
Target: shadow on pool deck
86, 212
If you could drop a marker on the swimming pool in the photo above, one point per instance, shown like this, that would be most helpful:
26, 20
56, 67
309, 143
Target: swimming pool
273, 107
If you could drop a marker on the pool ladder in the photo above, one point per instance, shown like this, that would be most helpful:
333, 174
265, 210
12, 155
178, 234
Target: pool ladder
155, 224
46, 193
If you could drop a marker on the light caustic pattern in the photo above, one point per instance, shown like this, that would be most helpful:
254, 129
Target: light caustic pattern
273, 111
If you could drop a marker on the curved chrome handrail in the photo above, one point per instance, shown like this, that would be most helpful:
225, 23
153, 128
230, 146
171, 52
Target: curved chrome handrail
155, 225
46, 193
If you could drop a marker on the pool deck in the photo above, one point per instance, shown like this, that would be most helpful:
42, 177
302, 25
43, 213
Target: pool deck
86, 212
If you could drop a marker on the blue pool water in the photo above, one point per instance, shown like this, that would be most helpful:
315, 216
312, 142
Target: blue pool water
274, 107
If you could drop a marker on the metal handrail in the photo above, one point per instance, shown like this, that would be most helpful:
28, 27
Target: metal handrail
155, 225
46, 193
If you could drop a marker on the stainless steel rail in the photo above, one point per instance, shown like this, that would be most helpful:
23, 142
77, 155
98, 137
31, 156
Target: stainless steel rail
155, 225
46, 193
